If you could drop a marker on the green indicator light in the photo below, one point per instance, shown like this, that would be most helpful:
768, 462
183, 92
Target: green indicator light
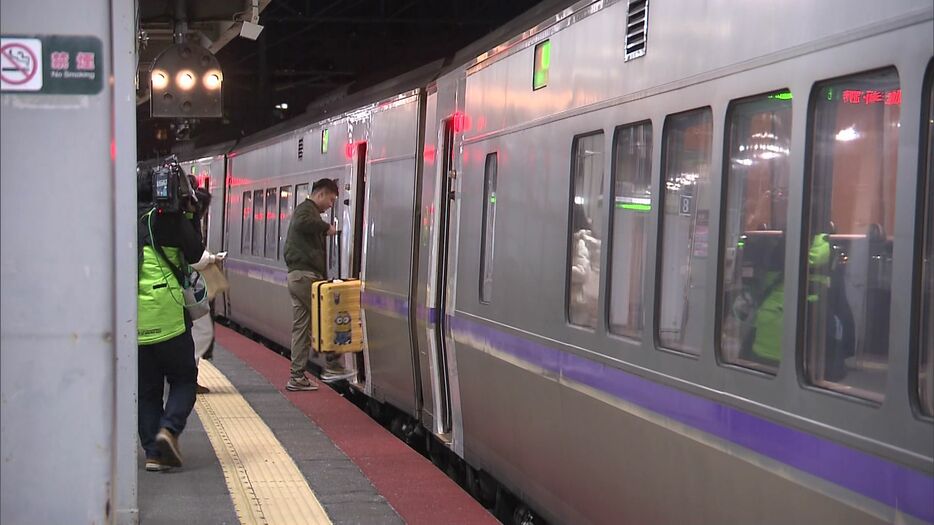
493, 199
740, 244
325, 137
829, 93
782, 95
541, 65
634, 207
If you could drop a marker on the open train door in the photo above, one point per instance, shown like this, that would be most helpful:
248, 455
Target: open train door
356, 241
444, 195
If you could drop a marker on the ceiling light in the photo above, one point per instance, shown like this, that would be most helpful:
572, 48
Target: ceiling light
212, 80
185, 79
159, 79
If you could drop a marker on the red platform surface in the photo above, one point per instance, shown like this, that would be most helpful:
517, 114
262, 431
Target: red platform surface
418, 491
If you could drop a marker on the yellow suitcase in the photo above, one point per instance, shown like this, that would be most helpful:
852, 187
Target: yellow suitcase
335, 316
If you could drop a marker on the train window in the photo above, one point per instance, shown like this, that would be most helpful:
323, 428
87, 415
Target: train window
632, 202
685, 219
848, 235
259, 212
285, 217
586, 235
272, 237
489, 222
755, 218
301, 193
246, 223
926, 355
542, 65
206, 222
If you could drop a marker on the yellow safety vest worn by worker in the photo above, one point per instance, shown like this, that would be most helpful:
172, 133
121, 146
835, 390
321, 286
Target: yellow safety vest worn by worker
160, 302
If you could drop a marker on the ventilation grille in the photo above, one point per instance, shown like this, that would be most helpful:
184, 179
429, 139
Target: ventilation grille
301, 148
636, 26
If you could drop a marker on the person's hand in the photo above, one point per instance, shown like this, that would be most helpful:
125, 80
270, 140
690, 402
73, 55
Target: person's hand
220, 256
332, 230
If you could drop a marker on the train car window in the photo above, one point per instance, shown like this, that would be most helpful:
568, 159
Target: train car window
301, 193
926, 355
632, 202
246, 223
285, 217
489, 222
685, 219
585, 235
259, 213
848, 235
206, 222
272, 235
755, 218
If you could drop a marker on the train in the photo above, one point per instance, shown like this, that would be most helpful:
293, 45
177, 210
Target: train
636, 261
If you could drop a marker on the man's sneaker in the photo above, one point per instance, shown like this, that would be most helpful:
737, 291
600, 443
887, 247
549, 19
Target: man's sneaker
331, 375
156, 465
298, 384
167, 444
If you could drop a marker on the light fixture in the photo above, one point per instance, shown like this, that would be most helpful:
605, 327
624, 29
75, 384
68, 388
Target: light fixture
159, 79
185, 79
283, 106
212, 80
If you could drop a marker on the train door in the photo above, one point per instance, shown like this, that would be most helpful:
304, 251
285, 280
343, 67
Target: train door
444, 195
358, 200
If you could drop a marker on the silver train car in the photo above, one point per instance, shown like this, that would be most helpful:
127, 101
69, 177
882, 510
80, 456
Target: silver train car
642, 262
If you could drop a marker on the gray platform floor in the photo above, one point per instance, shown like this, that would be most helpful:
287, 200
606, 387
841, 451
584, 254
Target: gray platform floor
197, 493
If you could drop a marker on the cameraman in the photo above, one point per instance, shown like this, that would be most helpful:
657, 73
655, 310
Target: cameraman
169, 240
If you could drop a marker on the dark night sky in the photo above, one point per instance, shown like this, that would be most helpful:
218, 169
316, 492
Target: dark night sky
310, 48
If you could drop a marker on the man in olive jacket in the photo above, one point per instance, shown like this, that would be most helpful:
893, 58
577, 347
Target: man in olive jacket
305, 257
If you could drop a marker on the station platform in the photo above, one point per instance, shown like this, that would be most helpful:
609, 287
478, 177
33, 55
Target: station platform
256, 453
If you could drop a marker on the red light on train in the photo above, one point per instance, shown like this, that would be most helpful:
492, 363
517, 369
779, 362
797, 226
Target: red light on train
429, 154
349, 149
869, 97
460, 122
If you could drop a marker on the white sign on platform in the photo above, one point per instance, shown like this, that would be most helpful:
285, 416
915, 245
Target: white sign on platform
20, 64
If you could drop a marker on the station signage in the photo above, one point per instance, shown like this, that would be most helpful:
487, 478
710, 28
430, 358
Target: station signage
51, 65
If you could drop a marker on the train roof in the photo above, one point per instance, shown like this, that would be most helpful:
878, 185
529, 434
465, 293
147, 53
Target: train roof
345, 99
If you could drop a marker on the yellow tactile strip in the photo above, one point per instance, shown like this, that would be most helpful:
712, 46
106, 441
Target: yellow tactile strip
265, 484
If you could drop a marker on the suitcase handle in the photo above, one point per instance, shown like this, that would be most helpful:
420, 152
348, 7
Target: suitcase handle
338, 237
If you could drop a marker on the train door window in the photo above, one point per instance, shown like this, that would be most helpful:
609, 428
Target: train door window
489, 222
206, 221
848, 234
246, 223
259, 212
272, 223
755, 217
301, 193
685, 219
586, 235
926, 354
285, 217
632, 202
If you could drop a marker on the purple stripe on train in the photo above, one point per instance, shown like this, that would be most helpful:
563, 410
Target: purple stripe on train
396, 306
892, 484
257, 271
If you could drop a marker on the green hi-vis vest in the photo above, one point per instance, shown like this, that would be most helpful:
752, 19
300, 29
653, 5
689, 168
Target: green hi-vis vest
160, 302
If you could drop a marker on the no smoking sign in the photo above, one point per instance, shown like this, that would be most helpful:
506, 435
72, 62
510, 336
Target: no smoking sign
20, 64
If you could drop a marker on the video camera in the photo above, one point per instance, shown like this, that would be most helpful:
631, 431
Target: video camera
171, 189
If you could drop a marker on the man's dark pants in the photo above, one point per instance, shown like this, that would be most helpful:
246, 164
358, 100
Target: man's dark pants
173, 361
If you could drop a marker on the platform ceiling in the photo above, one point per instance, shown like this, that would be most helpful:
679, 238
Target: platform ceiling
308, 48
